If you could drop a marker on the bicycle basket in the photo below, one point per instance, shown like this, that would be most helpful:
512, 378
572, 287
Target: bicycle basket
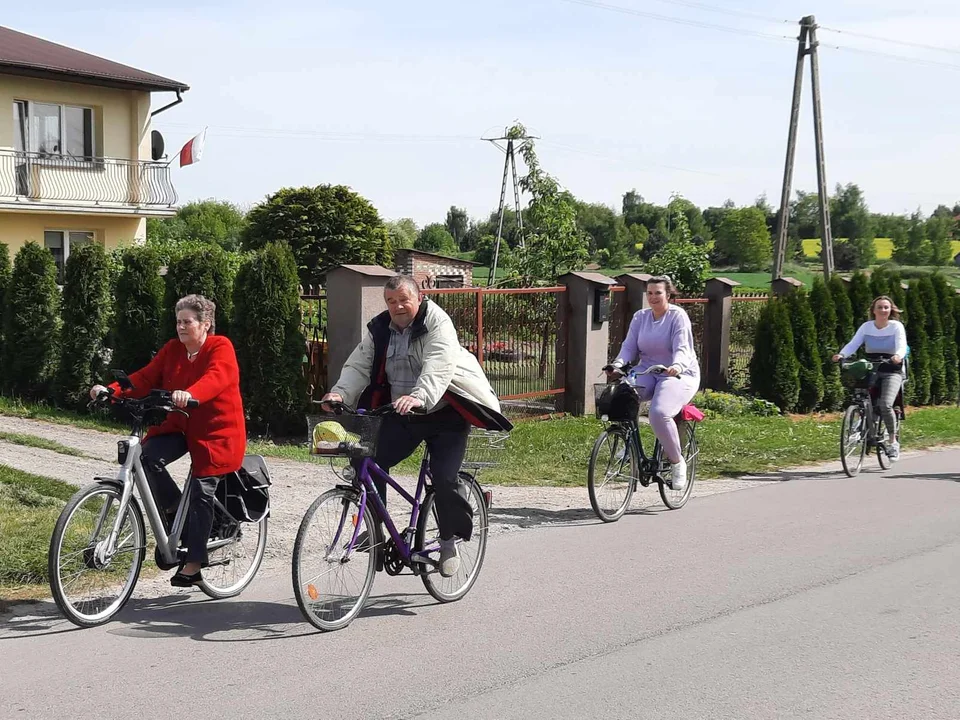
483, 448
856, 374
616, 401
344, 435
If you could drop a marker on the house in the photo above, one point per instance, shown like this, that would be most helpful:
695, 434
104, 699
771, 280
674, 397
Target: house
78, 160
434, 271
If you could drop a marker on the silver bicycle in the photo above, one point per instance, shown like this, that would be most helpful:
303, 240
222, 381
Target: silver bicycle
99, 542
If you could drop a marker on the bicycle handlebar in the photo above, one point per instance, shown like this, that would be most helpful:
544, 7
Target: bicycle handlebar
652, 370
339, 408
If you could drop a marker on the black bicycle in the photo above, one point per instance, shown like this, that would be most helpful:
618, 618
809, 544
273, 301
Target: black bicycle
862, 429
619, 462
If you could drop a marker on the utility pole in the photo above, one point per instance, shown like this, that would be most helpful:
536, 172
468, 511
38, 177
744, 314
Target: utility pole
509, 167
807, 45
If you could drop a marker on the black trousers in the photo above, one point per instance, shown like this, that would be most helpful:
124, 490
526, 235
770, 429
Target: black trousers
445, 433
160, 451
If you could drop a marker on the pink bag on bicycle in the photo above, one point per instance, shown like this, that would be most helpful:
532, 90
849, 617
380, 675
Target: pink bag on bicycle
691, 413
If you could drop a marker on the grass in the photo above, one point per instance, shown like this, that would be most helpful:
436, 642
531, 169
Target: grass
29, 507
40, 411
39, 442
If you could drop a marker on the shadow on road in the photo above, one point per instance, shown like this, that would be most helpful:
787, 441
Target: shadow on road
203, 620
949, 477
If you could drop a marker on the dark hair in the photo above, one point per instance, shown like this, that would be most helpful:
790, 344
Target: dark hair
205, 310
667, 285
894, 310
398, 281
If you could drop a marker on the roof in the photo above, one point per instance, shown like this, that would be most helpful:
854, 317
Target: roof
441, 257
22, 54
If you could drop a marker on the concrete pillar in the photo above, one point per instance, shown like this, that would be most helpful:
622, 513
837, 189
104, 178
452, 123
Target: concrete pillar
354, 297
586, 348
785, 285
716, 332
636, 290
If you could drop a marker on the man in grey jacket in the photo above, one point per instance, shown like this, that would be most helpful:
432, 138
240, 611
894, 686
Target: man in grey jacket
411, 357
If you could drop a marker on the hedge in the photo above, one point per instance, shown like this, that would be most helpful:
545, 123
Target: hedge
139, 309
774, 371
203, 271
825, 319
805, 342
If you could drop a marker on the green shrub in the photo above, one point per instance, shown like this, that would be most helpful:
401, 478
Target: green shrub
880, 280
951, 360
844, 310
715, 403
825, 319
4, 283
805, 348
898, 295
139, 309
84, 311
918, 389
860, 298
774, 371
31, 323
204, 270
935, 341
269, 342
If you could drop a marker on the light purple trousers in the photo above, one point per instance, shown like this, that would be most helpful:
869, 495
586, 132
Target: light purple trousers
667, 396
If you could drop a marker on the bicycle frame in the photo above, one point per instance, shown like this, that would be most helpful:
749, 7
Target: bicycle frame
131, 475
650, 465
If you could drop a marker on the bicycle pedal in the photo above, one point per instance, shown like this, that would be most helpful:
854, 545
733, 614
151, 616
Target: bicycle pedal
423, 560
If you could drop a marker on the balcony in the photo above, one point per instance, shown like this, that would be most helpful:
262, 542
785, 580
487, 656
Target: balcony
111, 186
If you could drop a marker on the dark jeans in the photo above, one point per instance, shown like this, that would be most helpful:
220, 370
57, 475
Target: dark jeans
445, 433
160, 451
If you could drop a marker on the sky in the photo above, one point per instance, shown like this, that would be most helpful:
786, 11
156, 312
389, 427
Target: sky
393, 98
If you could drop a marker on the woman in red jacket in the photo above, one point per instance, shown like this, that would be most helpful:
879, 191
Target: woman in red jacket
200, 366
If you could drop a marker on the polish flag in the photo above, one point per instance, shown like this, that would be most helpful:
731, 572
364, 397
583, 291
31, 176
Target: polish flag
193, 150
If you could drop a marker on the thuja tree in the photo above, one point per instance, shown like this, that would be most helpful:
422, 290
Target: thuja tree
139, 309
825, 318
774, 371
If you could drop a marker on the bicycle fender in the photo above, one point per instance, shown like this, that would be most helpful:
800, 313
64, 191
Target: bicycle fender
114, 481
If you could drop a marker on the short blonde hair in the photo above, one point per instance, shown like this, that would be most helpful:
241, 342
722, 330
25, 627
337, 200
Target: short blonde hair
205, 310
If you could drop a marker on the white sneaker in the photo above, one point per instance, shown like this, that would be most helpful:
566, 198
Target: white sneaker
678, 475
893, 451
449, 557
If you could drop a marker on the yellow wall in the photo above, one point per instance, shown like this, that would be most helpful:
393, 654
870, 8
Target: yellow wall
18, 228
121, 117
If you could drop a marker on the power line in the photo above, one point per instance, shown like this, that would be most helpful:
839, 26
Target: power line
727, 11
892, 56
281, 133
894, 41
678, 21
580, 151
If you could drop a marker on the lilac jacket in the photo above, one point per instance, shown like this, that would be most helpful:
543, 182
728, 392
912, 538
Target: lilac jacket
668, 341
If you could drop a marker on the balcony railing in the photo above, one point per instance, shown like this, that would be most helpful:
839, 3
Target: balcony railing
106, 182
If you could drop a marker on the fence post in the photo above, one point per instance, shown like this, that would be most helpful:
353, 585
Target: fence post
587, 340
636, 290
785, 285
716, 332
359, 293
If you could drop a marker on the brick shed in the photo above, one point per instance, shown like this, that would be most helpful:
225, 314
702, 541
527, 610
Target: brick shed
432, 271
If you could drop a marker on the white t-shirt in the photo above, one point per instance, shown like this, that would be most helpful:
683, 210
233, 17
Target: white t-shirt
890, 340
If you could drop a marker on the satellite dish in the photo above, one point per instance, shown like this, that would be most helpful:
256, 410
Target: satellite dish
156, 143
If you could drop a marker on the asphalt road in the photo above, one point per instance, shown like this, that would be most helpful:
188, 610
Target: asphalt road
816, 596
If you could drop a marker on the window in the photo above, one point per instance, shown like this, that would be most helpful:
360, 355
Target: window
51, 129
61, 243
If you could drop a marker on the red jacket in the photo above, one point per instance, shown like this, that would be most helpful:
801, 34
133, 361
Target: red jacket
216, 432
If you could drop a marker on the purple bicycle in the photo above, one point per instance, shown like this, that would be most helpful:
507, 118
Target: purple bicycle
341, 543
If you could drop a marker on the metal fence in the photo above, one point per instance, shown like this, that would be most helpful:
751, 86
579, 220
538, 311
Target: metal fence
696, 309
519, 337
107, 181
313, 324
744, 314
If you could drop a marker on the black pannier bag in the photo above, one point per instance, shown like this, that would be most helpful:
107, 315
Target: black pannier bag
245, 493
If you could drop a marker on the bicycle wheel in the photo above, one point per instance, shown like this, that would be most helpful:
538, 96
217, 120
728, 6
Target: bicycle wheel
472, 552
676, 499
232, 567
882, 457
331, 586
88, 585
612, 473
853, 440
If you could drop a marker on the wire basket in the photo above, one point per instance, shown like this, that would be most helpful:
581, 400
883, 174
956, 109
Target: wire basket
484, 448
357, 438
615, 401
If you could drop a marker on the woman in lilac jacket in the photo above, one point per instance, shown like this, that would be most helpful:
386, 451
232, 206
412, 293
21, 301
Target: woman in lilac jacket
661, 335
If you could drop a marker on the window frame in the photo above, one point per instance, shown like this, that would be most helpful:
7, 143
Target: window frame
28, 141
65, 239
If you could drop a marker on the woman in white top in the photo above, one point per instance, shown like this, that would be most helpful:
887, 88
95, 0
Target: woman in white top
883, 335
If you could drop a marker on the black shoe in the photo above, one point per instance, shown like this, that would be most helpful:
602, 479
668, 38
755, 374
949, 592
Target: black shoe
185, 581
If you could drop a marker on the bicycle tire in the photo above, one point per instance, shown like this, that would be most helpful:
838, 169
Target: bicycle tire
307, 598
434, 582
620, 506
219, 592
853, 417
134, 517
690, 455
